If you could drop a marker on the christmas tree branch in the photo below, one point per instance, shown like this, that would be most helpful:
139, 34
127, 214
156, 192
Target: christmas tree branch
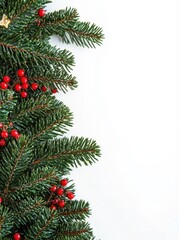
77, 210
28, 209
51, 126
45, 27
16, 158
65, 23
40, 179
5, 98
66, 152
39, 53
6, 219
76, 230
22, 9
61, 82
18, 8
61, 18
83, 34
13, 169
7, 103
45, 227
34, 108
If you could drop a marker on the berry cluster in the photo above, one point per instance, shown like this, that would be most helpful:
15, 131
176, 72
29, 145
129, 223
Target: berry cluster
4, 134
5, 82
59, 195
22, 84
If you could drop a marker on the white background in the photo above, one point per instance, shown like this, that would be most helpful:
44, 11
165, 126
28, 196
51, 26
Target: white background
127, 100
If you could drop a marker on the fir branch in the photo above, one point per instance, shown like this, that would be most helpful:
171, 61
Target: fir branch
16, 158
61, 82
62, 18
44, 227
7, 103
28, 209
47, 25
75, 230
36, 53
27, 112
22, 13
20, 9
83, 34
32, 109
76, 210
6, 219
66, 152
51, 125
48, 128
66, 24
14, 168
38, 181
5, 99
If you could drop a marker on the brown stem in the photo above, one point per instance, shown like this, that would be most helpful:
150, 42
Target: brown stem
63, 154
32, 53
75, 233
84, 210
83, 34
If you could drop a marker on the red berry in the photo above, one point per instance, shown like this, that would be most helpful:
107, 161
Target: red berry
34, 86
54, 90
64, 182
14, 133
1, 125
61, 204
56, 201
3, 85
24, 94
41, 12
4, 134
24, 80
60, 191
43, 88
17, 236
25, 86
53, 207
6, 79
53, 188
70, 195
20, 73
17, 87
1, 200
2, 143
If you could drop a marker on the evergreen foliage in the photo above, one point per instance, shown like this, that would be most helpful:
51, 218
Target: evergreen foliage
42, 155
